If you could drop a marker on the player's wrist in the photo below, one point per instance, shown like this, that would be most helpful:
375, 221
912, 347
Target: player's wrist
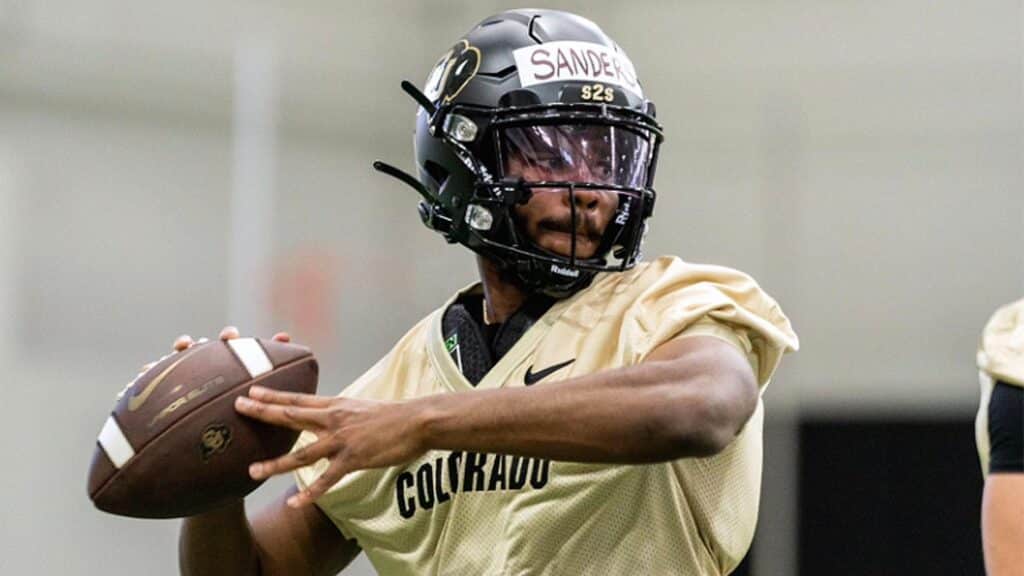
429, 417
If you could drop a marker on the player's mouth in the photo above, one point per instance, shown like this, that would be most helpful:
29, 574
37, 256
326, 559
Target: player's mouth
557, 236
585, 231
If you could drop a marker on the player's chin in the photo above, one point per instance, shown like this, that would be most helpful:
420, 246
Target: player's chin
561, 243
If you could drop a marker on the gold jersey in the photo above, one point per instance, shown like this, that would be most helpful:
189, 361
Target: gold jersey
467, 513
1000, 359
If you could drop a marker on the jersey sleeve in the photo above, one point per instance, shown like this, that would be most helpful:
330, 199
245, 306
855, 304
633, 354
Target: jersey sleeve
1006, 429
715, 329
1001, 352
691, 300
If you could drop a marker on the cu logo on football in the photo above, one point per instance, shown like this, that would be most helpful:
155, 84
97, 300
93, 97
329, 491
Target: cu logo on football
215, 439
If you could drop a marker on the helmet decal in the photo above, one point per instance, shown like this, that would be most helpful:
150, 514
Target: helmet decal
453, 72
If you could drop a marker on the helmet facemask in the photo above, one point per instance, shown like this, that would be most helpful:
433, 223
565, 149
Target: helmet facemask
591, 166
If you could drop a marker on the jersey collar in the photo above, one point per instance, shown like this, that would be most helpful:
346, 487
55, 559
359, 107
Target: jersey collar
500, 373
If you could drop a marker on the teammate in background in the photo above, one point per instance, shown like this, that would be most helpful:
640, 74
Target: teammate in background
577, 411
999, 430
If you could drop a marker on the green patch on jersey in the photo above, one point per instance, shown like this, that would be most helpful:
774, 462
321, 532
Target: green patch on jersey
452, 345
452, 342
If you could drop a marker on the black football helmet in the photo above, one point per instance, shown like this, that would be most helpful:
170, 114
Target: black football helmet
530, 92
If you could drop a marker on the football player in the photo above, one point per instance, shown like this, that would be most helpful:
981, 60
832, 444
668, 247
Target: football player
577, 411
999, 430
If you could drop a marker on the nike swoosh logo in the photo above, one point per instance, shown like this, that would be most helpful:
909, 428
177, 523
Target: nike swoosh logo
532, 377
137, 400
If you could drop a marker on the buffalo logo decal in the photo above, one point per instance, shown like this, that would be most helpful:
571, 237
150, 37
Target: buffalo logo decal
453, 72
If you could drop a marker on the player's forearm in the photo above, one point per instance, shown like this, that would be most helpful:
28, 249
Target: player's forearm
219, 543
1002, 524
648, 413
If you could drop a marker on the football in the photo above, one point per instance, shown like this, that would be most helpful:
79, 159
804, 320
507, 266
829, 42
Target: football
174, 445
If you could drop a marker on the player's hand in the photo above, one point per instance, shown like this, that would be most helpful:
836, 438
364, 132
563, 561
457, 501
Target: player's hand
184, 342
352, 434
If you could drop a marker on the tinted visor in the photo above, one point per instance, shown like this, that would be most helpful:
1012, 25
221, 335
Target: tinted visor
590, 154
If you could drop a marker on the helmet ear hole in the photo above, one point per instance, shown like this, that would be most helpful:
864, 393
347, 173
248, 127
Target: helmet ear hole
436, 172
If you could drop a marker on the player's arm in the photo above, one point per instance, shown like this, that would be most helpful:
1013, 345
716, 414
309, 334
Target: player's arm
1002, 509
278, 540
1002, 524
690, 397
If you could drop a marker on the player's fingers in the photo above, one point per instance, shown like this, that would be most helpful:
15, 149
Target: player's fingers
288, 398
329, 478
229, 333
182, 343
282, 337
294, 460
294, 417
